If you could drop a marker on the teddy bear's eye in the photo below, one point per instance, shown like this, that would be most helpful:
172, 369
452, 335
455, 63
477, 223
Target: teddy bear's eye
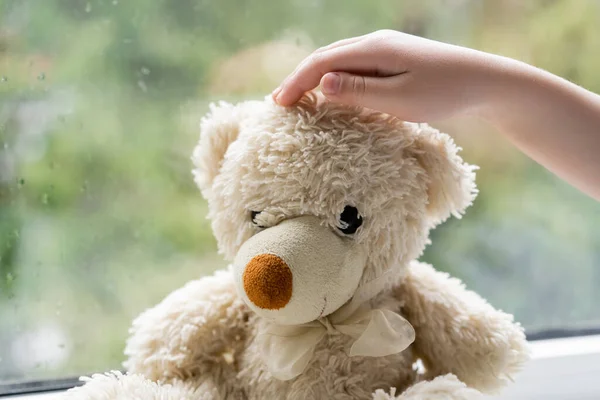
253, 215
350, 220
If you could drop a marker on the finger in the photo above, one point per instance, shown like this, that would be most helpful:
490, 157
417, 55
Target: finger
377, 93
351, 58
340, 43
334, 45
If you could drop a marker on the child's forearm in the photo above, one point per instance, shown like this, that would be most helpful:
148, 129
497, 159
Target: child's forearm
555, 122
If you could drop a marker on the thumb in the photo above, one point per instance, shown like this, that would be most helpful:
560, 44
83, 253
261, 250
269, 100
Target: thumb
358, 90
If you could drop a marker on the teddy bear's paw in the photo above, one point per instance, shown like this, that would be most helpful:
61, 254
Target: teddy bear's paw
115, 385
446, 387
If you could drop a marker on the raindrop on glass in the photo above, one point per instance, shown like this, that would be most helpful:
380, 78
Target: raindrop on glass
115, 2
4, 79
41, 76
142, 86
45, 198
145, 71
5, 146
88, 7
21, 182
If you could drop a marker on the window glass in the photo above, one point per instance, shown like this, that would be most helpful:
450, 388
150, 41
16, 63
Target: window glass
99, 109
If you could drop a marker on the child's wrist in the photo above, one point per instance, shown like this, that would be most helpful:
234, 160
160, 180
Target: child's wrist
499, 84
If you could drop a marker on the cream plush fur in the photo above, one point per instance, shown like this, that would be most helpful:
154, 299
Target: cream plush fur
298, 168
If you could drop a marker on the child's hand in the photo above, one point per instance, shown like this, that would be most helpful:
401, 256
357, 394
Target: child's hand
410, 77
555, 122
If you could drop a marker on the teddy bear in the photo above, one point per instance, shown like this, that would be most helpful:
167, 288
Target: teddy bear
322, 211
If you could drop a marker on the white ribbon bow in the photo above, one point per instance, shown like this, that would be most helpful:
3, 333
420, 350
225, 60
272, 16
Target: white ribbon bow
287, 350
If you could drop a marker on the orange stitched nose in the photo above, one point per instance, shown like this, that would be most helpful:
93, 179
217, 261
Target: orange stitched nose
268, 281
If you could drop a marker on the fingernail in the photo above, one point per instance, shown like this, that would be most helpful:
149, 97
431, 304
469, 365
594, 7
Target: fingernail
275, 93
331, 83
278, 98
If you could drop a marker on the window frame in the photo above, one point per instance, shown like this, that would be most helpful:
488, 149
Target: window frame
38, 387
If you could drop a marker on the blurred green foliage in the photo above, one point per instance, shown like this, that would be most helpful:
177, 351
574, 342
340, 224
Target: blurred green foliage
99, 105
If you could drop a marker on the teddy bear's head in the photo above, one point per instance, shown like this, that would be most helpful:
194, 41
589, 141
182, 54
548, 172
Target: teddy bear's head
313, 201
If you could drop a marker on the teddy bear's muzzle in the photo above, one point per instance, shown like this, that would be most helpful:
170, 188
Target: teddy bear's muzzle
298, 271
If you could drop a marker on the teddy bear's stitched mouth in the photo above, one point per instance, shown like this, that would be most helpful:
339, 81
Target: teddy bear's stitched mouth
324, 306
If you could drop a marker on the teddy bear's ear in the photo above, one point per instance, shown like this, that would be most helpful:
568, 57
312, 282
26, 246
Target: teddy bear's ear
218, 129
451, 182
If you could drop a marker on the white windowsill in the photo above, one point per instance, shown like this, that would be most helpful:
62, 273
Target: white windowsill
561, 369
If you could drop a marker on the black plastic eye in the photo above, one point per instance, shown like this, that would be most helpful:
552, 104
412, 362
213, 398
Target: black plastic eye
351, 220
253, 215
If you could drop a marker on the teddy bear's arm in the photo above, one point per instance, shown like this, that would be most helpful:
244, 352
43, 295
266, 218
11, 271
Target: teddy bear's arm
194, 331
458, 332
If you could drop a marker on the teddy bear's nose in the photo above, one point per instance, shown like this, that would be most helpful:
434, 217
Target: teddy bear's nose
268, 282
